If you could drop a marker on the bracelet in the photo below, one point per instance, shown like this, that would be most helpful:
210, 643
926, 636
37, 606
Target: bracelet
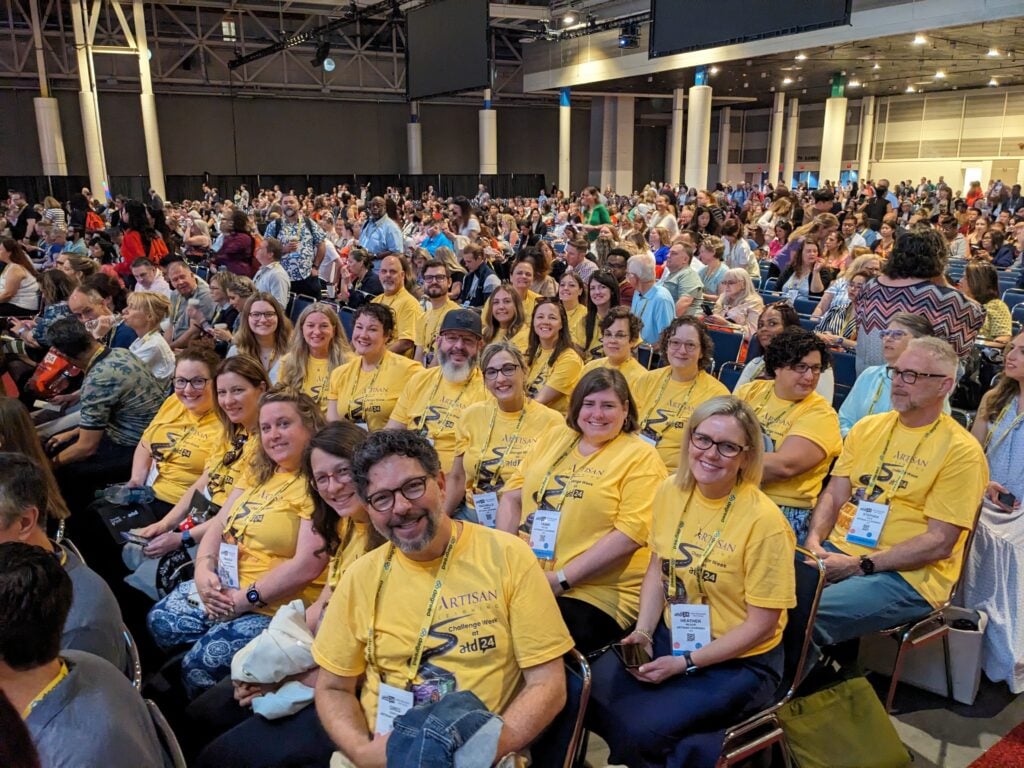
206, 557
644, 634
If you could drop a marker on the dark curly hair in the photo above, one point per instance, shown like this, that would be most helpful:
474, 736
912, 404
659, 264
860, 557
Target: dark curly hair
623, 313
791, 346
707, 346
392, 442
919, 252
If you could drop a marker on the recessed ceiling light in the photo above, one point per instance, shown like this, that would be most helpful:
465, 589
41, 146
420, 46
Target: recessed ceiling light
569, 18
911, 89
787, 81
993, 52
919, 39
801, 57
993, 82
854, 84
940, 75
877, 66
713, 70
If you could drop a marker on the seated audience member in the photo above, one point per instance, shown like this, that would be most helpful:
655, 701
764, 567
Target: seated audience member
652, 303
572, 293
620, 334
405, 306
372, 621
738, 305
872, 389
148, 277
681, 280
19, 284
838, 327
710, 253
807, 277
79, 709
555, 366
119, 398
592, 484
493, 436
18, 435
318, 346
109, 329
504, 318
94, 623
480, 280
263, 333
912, 281
987, 588
19, 358
801, 431
981, 283
892, 522
837, 294
776, 318
360, 283
436, 282
365, 389
673, 710
266, 555
271, 277
665, 397
434, 399
145, 312
617, 263
189, 290
602, 295
341, 520
576, 256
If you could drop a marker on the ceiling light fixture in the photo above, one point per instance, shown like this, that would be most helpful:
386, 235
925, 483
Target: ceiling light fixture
940, 75
910, 89
801, 57
992, 52
993, 82
713, 70
877, 66
569, 18
919, 39
854, 84
787, 81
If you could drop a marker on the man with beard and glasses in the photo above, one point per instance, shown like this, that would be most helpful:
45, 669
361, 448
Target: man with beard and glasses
380, 235
303, 245
446, 608
437, 282
434, 399
405, 306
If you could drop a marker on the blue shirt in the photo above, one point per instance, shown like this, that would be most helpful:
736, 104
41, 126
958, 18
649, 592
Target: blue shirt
655, 309
381, 236
308, 234
431, 244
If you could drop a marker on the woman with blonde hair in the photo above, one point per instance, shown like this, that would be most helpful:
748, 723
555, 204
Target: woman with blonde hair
143, 314
777, 211
319, 346
739, 304
263, 333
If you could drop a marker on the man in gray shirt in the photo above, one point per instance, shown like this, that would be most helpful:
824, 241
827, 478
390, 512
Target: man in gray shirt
79, 710
682, 281
94, 623
188, 290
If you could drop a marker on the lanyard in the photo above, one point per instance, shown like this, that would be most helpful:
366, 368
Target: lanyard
906, 467
359, 372
763, 407
699, 568
558, 461
874, 400
487, 444
422, 420
321, 394
428, 619
540, 378
237, 446
661, 391
1013, 426
175, 447
251, 512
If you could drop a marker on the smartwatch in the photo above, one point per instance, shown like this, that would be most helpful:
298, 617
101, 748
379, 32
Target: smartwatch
690, 666
563, 581
867, 565
253, 596
186, 539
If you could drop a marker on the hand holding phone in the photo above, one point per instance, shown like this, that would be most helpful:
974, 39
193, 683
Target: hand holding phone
631, 655
134, 538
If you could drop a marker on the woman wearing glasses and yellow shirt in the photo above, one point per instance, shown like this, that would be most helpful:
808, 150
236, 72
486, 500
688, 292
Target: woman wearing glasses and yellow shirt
719, 580
364, 390
666, 397
175, 446
316, 348
800, 428
620, 334
582, 499
493, 437
555, 366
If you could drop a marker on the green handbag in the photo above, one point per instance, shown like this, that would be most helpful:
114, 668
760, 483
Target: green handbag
842, 726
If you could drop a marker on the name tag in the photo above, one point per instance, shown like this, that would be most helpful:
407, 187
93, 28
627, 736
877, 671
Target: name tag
691, 627
206, 493
154, 473
544, 533
392, 702
486, 505
227, 565
650, 437
867, 524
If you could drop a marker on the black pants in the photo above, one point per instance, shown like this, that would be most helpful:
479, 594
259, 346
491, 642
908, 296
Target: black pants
111, 463
311, 286
13, 310
590, 627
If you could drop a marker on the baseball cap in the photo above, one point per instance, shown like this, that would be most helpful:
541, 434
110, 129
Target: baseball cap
462, 320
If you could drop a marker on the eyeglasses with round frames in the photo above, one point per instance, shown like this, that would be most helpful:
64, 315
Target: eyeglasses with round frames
322, 480
728, 449
689, 346
411, 489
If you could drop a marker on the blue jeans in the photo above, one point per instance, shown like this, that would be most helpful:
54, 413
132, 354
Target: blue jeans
799, 521
457, 730
175, 621
861, 605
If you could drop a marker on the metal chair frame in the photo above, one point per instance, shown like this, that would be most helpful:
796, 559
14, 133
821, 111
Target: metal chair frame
166, 735
135, 663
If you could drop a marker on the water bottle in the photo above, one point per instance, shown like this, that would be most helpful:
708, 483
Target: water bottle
123, 496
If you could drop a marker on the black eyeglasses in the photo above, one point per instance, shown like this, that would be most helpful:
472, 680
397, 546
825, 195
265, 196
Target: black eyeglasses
729, 450
180, 382
508, 370
911, 377
412, 489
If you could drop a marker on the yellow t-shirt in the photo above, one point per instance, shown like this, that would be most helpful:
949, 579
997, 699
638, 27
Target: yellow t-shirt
596, 348
496, 616
432, 404
348, 554
945, 479
180, 445
752, 563
664, 406
264, 522
427, 326
488, 449
222, 478
610, 490
576, 319
369, 397
812, 419
561, 377
631, 369
407, 311
520, 340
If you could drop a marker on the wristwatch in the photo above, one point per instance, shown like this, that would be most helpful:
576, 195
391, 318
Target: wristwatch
690, 666
253, 596
867, 565
186, 539
562, 580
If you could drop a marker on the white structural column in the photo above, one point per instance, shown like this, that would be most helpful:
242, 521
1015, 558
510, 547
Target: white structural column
51, 141
94, 156
724, 140
698, 131
150, 127
792, 134
622, 181
564, 140
867, 136
674, 150
414, 139
833, 132
488, 137
775, 137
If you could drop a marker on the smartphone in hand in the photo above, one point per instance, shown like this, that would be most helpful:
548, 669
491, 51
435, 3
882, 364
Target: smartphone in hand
631, 656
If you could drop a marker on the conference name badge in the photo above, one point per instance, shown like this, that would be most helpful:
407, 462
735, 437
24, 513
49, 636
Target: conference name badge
544, 533
154, 473
650, 437
691, 627
486, 505
227, 565
392, 703
867, 524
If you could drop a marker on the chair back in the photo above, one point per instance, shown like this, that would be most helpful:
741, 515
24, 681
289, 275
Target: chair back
167, 738
805, 306
134, 662
562, 743
796, 638
968, 543
729, 374
727, 345
297, 305
845, 365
